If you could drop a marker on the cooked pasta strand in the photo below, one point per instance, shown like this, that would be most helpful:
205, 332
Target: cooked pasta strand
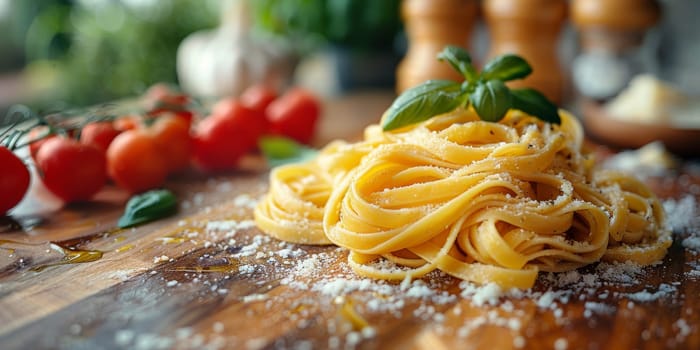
481, 201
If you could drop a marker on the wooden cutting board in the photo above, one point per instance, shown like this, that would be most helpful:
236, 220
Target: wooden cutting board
207, 278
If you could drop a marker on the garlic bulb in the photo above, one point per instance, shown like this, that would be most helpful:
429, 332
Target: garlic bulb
226, 60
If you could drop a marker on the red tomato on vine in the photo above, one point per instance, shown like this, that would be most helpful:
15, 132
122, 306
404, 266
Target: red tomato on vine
161, 99
258, 97
135, 162
99, 134
172, 136
36, 137
223, 138
71, 170
14, 181
295, 115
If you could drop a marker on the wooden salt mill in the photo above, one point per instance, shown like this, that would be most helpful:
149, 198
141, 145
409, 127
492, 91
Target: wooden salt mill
430, 26
610, 32
529, 28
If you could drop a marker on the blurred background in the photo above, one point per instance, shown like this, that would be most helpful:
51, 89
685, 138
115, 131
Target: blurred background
82, 52
85, 52
57, 53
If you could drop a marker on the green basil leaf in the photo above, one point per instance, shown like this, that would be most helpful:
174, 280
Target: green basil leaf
281, 150
148, 206
459, 59
534, 103
422, 102
505, 68
491, 100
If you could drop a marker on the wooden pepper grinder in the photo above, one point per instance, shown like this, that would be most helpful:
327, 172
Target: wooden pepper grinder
430, 25
529, 28
611, 35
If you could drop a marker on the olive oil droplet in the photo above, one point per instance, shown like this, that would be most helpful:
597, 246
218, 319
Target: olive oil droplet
171, 240
71, 257
124, 248
229, 265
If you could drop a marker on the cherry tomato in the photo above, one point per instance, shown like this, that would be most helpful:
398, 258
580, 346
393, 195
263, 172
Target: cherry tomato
71, 170
160, 99
99, 134
14, 181
295, 115
222, 139
37, 137
235, 108
128, 122
183, 114
172, 136
224, 106
135, 162
163, 94
258, 97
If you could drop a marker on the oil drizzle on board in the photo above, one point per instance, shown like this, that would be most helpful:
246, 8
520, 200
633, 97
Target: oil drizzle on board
124, 248
22, 255
172, 239
70, 257
222, 265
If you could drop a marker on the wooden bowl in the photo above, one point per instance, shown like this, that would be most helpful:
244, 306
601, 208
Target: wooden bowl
602, 127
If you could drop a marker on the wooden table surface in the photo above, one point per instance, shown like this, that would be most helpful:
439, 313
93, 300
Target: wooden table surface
207, 278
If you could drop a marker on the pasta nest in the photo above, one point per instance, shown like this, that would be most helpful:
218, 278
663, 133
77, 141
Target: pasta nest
484, 202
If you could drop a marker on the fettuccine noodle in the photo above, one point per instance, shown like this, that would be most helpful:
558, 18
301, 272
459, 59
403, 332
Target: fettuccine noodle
485, 202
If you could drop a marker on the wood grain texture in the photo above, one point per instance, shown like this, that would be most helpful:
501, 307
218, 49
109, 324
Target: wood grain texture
177, 283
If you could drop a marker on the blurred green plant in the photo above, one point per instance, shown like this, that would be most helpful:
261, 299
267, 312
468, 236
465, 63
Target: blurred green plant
361, 25
83, 52
86, 52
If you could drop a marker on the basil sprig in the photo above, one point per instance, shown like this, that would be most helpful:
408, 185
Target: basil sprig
281, 150
422, 102
148, 206
486, 92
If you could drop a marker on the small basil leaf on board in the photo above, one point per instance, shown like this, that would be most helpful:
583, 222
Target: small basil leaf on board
422, 102
281, 150
459, 59
491, 100
505, 68
534, 103
148, 206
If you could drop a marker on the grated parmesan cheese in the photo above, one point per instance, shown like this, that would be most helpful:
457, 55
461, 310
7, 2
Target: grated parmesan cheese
229, 225
305, 271
487, 294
